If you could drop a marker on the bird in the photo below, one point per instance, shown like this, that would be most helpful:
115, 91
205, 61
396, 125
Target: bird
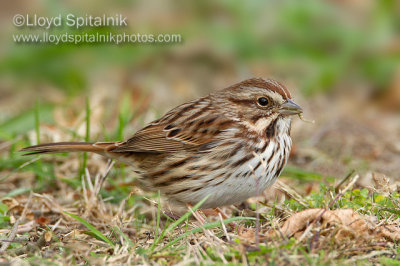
227, 146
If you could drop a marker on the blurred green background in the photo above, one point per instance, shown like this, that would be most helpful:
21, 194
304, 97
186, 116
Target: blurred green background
319, 45
329, 53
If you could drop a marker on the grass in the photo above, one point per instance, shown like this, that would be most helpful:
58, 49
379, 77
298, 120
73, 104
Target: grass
96, 233
90, 222
316, 45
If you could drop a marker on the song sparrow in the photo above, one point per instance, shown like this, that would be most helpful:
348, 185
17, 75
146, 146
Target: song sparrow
230, 145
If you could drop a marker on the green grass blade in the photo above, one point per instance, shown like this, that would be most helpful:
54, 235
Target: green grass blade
158, 214
37, 122
17, 191
158, 218
126, 238
39, 166
92, 229
87, 137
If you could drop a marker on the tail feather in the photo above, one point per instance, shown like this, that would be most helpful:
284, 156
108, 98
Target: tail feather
98, 147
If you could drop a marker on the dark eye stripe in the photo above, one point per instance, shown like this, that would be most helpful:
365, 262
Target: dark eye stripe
241, 101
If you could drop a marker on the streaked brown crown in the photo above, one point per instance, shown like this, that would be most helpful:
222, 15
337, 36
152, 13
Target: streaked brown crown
269, 84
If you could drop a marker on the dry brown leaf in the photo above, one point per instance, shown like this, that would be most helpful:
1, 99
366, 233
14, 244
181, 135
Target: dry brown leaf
347, 222
10, 202
344, 218
391, 232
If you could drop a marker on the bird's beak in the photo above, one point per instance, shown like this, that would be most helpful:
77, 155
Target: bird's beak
290, 108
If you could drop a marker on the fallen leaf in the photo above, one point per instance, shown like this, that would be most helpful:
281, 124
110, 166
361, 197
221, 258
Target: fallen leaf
391, 232
10, 202
48, 235
347, 223
42, 220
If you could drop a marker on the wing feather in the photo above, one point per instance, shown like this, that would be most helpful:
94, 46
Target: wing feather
180, 129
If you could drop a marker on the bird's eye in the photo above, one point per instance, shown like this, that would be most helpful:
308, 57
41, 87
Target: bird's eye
262, 101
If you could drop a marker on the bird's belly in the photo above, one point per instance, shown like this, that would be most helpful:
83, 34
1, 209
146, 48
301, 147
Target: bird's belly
247, 180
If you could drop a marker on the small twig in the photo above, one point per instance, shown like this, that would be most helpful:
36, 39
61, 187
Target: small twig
338, 196
291, 193
224, 227
85, 196
88, 180
197, 215
314, 240
24, 228
99, 181
344, 180
14, 230
54, 227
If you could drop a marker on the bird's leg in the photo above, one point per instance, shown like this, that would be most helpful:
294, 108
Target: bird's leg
223, 215
196, 214
215, 212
